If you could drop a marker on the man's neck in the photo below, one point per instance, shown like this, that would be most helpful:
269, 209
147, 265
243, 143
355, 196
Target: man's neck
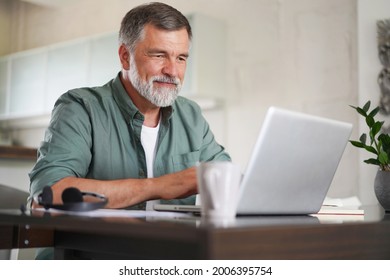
150, 111
152, 118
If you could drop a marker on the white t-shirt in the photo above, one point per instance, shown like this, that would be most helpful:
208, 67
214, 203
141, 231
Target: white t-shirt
148, 141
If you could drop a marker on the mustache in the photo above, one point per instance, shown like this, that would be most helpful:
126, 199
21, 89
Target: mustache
166, 79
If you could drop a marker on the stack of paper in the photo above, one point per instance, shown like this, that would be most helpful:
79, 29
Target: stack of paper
342, 209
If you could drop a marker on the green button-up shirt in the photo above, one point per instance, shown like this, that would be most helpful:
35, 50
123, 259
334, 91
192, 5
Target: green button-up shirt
96, 133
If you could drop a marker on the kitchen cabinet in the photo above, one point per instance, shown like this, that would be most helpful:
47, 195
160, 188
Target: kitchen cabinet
31, 81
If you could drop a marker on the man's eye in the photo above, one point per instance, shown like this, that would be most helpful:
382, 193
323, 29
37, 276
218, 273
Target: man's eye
157, 55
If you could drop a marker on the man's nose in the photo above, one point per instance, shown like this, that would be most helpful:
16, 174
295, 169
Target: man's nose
170, 68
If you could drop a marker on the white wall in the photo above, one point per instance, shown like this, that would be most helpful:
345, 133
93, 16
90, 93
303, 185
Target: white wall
369, 12
298, 54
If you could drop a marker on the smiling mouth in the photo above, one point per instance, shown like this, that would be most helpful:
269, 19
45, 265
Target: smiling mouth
170, 84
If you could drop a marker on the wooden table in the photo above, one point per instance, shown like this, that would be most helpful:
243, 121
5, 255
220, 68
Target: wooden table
283, 237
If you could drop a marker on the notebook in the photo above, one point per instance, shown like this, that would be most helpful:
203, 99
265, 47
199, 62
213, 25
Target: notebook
292, 165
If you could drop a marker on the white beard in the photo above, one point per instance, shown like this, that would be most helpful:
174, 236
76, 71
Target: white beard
161, 97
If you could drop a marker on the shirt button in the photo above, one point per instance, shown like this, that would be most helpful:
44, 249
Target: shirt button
141, 174
139, 117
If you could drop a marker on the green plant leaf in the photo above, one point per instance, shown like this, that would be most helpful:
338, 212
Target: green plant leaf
367, 106
374, 112
378, 144
385, 140
372, 161
370, 121
363, 146
376, 128
383, 158
361, 112
371, 149
357, 144
363, 138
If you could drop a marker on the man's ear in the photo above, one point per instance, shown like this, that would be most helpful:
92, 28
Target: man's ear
124, 57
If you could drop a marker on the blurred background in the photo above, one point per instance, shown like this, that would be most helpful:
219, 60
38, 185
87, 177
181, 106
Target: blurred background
312, 56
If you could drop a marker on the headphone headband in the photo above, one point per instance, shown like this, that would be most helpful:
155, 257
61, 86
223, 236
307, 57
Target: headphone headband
72, 200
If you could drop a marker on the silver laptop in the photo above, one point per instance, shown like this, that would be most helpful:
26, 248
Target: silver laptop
292, 165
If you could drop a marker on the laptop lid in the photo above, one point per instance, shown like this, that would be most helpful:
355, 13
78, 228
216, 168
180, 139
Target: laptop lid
292, 164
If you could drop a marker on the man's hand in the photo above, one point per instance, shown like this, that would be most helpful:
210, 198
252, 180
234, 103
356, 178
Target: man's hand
177, 185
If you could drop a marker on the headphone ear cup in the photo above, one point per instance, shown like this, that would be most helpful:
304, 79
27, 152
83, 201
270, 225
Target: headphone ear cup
45, 198
72, 195
73, 200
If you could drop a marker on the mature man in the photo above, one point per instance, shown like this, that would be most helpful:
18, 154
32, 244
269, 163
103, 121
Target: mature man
132, 139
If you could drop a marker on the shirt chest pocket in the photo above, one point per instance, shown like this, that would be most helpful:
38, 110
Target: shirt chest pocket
184, 161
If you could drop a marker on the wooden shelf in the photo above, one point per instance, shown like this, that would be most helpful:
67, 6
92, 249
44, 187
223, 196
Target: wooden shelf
17, 152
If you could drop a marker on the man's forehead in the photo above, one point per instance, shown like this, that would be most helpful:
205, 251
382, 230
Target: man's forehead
150, 29
159, 38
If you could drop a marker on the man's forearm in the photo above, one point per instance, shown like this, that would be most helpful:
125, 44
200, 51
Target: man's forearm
127, 192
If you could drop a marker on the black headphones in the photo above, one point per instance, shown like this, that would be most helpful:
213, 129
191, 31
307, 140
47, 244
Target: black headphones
72, 199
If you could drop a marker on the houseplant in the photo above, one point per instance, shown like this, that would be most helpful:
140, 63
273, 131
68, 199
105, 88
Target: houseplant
377, 143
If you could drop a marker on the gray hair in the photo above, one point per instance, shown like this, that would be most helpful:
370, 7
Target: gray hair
160, 15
